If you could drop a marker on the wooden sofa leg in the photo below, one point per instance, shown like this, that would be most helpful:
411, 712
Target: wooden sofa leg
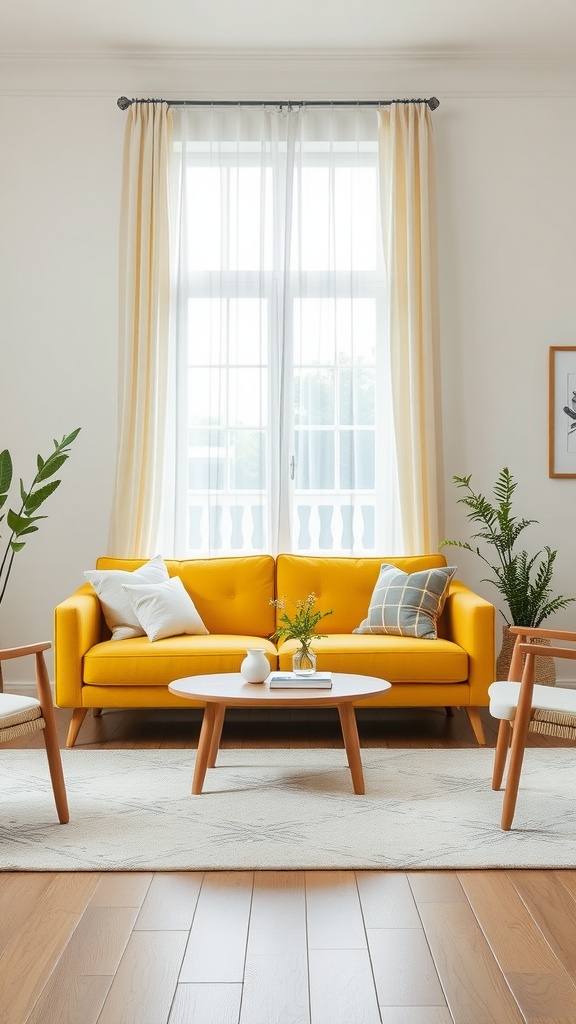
78, 716
449, 711
476, 723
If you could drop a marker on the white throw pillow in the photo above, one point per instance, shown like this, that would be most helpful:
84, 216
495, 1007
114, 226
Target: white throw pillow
116, 606
165, 609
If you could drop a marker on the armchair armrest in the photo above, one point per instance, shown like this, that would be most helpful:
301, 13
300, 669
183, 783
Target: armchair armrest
42, 681
539, 632
8, 653
470, 624
78, 624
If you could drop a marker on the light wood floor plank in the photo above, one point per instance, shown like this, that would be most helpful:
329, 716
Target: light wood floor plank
507, 923
99, 941
386, 900
170, 901
19, 895
554, 909
536, 977
33, 951
75, 999
143, 988
275, 989
78, 986
206, 1004
121, 889
278, 915
342, 987
568, 879
436, 887
544, 996
217, 947
475, 990
404, 970
333, 911
416, 1015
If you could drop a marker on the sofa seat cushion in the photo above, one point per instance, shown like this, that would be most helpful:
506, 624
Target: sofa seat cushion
398, 659
137, 662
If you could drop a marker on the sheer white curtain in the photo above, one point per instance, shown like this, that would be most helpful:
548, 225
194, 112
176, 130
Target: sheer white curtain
281, 435
144, 300
408, 197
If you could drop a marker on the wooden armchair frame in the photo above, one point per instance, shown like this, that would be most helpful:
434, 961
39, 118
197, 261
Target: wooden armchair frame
44, 721
527, 696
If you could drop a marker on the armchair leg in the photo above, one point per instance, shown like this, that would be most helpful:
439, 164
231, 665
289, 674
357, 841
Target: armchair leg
502, 744
51, 740
476, 723
519, 735
78, 716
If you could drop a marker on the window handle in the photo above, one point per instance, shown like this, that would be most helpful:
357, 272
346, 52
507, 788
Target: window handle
292, 467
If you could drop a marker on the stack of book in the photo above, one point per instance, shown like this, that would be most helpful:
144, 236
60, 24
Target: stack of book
289, 681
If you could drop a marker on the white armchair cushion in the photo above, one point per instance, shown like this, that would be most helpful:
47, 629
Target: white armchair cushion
504, 699
15, 709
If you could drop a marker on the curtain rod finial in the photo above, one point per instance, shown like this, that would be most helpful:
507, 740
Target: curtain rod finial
433, 102
123, 102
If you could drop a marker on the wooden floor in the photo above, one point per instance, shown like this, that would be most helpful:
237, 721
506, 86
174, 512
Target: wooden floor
301, 947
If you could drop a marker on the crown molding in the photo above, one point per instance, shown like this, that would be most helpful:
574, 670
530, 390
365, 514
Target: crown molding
316, 74
500, 59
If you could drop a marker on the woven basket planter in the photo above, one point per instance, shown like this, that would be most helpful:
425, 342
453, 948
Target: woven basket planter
544, 670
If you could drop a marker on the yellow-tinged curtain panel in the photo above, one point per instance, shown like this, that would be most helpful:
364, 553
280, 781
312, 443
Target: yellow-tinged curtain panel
143, 330
408, 207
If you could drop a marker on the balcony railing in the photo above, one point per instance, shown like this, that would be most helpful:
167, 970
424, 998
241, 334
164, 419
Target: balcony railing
323, 522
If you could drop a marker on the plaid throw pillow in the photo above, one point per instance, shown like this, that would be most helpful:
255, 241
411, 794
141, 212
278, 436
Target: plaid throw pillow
406, 604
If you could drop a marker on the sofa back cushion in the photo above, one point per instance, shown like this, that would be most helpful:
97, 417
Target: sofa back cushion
344, 585
232, 595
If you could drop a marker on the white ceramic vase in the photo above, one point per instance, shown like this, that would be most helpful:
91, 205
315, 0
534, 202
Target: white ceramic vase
255, 668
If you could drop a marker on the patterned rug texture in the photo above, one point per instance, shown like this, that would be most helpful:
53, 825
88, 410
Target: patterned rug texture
131, 810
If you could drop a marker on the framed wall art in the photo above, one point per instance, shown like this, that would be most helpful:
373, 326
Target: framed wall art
562, 411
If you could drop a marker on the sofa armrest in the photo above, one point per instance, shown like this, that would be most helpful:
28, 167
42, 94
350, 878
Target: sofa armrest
469, 621
78, 624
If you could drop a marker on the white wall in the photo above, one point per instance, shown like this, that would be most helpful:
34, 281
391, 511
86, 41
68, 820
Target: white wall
506, 153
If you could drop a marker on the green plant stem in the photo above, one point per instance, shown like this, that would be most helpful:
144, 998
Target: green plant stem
11, 538
9, 570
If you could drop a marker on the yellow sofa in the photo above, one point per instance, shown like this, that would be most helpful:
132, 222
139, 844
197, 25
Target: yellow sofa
233, 597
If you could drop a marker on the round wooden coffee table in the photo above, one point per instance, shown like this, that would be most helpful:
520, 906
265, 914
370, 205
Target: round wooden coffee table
228, 689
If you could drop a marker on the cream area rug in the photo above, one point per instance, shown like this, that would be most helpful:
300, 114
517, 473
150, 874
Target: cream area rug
284, 809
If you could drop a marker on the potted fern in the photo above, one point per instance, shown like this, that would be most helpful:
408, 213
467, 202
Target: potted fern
523, 580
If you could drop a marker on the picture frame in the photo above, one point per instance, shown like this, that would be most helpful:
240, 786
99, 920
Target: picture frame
562, 411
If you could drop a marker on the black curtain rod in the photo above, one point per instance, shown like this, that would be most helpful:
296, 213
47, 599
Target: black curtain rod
123, 102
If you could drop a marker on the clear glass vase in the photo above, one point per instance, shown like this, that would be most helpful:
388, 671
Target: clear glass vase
304, 662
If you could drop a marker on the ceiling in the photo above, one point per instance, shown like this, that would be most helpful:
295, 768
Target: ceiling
63, 27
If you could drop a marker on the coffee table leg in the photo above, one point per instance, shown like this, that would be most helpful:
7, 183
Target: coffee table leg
204, 747
216, 734
352, 744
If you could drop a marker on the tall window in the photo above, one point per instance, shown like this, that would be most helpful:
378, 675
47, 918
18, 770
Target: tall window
282, 434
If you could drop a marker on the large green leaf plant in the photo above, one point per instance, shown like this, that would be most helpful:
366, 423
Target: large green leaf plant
523, 580
22, 520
